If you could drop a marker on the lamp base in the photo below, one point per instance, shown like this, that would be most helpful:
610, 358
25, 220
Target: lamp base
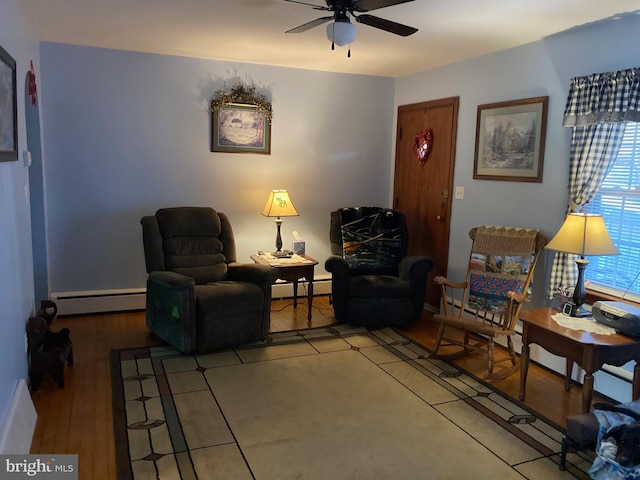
574, 310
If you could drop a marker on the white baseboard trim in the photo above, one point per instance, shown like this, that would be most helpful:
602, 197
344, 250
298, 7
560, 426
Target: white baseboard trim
99, 301
121, 300
17, 429
321, 286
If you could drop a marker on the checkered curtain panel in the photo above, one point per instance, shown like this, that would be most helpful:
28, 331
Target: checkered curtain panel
596, 109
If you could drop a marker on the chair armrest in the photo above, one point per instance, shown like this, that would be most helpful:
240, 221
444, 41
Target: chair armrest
262, 275
171, 308
171, 280
444, 281
415, 269
340, 275
337, 265
453, 296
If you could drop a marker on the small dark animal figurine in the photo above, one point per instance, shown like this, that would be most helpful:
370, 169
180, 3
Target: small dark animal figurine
627, 436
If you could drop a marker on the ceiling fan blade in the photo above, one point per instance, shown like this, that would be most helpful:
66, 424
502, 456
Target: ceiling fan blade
368, 5
386, 25
309, 25
315, 7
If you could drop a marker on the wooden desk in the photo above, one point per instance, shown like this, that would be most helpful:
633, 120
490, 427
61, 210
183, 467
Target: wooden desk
589, 350
292, 271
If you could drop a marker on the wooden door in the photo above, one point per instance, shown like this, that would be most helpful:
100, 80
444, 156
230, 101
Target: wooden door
423, 191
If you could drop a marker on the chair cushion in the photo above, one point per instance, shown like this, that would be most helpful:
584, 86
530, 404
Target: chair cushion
378, 286
229, 313
371, 238
191, 243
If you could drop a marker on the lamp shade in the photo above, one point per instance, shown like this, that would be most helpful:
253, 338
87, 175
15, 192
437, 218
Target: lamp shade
279, 204
341, 32
583, 234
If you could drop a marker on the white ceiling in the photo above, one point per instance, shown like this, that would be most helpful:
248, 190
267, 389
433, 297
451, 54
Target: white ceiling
253, 30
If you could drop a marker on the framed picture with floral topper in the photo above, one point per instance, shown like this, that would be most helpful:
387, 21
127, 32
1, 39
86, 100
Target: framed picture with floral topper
510, 139
241, 128
241, 121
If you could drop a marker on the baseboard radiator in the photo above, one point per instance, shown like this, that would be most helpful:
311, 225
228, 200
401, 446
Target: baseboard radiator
99, 301
17, 429
122, 300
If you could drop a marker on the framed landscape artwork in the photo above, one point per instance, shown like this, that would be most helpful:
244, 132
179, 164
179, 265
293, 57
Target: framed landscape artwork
510, 138
8, 108
239, 128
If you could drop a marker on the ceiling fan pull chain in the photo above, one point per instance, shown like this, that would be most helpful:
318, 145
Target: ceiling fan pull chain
349, 52
333, 46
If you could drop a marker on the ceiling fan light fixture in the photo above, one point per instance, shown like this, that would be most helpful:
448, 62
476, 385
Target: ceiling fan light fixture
341, 33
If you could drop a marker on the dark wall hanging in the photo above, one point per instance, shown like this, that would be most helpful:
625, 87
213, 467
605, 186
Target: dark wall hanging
8, 108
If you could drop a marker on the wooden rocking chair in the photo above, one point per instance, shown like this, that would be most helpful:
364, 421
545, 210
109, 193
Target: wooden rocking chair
488, 303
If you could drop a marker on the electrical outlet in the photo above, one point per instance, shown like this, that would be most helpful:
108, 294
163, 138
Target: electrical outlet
459, 193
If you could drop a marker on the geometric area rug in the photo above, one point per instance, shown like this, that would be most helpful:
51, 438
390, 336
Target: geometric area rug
326, 403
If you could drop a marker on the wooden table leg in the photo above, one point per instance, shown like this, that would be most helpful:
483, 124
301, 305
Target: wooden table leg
568, 373
295, 293
587, 392
524, 367
310, 300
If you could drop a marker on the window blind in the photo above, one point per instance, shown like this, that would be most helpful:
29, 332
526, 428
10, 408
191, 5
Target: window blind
619, 203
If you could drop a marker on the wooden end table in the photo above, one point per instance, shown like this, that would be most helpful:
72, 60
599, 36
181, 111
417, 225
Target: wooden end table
292, 270
589, 350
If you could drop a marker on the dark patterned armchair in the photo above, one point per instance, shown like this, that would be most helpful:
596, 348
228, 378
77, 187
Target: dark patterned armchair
374, 282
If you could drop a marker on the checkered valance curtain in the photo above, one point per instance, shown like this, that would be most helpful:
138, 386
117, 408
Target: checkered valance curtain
596, 109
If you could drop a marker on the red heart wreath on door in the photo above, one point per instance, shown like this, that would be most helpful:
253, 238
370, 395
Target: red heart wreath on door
422, 145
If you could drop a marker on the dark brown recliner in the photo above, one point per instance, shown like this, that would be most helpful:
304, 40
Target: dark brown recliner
199, 298
374, 283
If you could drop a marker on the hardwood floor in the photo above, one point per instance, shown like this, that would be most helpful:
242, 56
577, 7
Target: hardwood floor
78, 418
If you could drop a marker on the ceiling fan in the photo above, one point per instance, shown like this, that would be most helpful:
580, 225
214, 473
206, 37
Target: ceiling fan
341, 31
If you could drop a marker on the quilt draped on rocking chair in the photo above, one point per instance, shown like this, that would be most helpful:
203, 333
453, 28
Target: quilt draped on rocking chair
499, 263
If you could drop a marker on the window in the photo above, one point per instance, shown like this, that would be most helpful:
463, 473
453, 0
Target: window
619, 203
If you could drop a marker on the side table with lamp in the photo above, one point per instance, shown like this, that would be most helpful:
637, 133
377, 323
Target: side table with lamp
291, 266
581, 234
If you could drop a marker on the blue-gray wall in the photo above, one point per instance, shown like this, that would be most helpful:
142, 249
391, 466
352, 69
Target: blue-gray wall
125, 133
16, 270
